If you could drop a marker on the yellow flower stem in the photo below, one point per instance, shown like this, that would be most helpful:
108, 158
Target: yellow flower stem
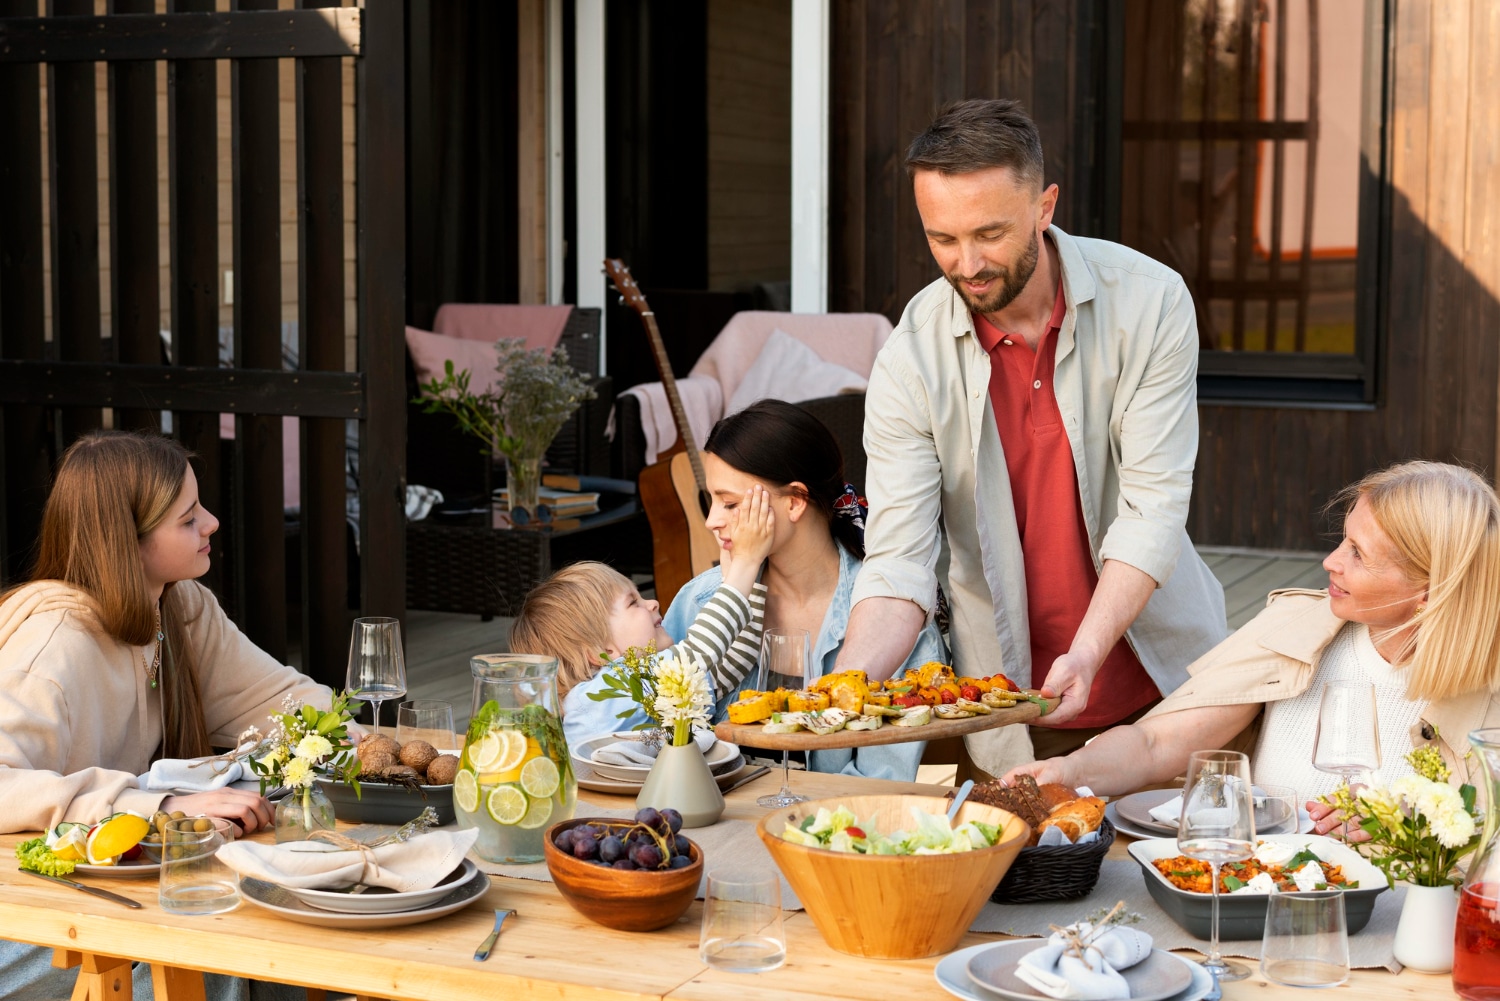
682, 732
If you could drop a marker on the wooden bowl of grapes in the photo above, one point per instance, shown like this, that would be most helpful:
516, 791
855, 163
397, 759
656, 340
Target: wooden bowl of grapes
630, 875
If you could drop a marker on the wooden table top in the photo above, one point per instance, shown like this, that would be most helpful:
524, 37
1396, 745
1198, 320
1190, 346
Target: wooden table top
548, 951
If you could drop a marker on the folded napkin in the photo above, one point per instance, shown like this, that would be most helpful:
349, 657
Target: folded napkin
635, 752
1054, 836
1057, 972
193, 774
1169, 812
418, 864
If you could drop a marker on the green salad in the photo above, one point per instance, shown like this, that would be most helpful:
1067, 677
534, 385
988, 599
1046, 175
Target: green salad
840, 831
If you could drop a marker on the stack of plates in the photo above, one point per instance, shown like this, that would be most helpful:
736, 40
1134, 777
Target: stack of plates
724, 760
374, 907
987, 973
1132, 815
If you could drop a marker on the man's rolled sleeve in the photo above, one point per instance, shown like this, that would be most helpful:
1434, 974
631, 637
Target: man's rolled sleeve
904, 485
1158, 448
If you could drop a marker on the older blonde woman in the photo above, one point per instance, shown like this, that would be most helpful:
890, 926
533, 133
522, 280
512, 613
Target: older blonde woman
1412, 606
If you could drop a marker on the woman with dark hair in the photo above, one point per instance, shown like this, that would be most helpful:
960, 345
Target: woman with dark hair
816, 548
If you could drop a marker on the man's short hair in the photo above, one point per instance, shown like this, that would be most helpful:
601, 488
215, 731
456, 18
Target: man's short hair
978, 135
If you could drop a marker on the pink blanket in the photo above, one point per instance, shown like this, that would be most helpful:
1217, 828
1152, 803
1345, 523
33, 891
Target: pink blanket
542, 326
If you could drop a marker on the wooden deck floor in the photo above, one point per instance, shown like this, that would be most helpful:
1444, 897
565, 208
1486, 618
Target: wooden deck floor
438, 645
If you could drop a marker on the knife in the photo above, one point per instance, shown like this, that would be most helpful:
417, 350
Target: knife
751, 777
85, 888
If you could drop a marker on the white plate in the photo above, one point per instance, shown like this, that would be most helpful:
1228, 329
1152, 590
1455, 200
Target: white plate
721, 755
952, 974
125, 870
378, 900
277, 900
1159, 977
587, 778
1126, 827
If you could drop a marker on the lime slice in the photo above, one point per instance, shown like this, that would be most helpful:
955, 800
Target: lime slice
539, 778
466, 792
507, 805
537, 814
115, 836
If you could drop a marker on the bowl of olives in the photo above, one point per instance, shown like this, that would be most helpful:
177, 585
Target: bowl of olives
630, 875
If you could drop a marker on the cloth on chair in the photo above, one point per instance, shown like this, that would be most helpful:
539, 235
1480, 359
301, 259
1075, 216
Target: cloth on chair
789, 370
848, 341
541, 326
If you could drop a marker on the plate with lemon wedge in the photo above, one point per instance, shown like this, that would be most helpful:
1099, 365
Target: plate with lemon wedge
111, 847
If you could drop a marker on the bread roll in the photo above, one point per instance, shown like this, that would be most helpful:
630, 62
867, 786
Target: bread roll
1055, 794
1076, 817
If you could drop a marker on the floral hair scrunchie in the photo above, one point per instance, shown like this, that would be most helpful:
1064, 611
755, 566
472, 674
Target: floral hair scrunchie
852, 506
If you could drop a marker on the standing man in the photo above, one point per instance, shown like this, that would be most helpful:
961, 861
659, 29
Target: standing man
1038, 405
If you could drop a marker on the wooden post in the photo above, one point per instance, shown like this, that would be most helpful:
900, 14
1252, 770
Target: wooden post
103, 978
531, 151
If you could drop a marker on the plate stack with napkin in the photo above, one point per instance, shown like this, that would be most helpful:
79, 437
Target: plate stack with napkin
337, 885
619, 762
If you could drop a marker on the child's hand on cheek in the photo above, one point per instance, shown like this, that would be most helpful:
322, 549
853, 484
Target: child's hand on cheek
751, 529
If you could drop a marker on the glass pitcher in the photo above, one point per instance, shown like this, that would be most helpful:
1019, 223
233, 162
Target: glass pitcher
1476, 945
514, 778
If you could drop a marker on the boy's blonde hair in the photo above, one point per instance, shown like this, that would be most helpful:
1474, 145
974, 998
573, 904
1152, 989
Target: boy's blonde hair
567, 616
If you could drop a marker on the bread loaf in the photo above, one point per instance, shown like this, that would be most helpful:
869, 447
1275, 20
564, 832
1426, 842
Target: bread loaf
1076, 818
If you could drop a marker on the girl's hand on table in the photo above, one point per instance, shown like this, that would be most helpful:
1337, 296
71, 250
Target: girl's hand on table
250, 811
1328, 820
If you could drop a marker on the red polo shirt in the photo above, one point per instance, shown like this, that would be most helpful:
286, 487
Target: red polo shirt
1060, 575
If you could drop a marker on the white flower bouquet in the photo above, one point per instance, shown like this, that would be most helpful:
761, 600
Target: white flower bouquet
304, 742
1419, 827
671, 688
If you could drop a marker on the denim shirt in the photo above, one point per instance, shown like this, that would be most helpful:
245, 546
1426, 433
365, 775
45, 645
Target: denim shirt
885, 761
583, 718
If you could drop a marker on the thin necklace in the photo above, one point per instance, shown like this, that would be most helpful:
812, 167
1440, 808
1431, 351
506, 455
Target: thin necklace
154, 665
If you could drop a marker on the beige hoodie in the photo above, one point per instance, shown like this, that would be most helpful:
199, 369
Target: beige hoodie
78, 720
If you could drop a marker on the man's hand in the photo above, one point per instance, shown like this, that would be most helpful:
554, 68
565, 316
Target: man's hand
1070, 678
239, 806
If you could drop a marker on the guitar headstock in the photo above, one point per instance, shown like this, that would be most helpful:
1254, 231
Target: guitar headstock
630, 292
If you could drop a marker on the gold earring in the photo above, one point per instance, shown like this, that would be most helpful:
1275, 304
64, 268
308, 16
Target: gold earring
1420, 609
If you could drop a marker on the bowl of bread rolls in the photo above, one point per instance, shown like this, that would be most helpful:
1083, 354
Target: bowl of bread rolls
1066, 867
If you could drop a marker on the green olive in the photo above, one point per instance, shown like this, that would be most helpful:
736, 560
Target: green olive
178, 815
202, 825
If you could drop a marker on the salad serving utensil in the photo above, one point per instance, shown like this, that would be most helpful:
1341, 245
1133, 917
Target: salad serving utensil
959, 797
483, 952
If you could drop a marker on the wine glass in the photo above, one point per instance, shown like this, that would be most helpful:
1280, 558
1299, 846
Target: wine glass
377, 668
1217, 826
784, 658
1348, 738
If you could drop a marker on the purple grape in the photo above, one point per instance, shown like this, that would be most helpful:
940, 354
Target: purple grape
623, 863
564, 839
681, 846
647, 856
648, 816
681, 861
673, 818
611, 849
585, 846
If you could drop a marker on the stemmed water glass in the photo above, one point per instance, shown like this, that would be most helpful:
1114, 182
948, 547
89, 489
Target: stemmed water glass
784, 658
1348, 740
1217, 826
377, 667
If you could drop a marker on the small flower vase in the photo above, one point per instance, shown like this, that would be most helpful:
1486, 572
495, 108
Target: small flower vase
681, 779
302, 812
1424, 935
523, 479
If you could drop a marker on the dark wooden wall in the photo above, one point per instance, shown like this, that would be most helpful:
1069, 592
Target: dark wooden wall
1264, 473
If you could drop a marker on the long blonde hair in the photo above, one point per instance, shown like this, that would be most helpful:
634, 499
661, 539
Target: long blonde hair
567, 616
111, 489
1444, 522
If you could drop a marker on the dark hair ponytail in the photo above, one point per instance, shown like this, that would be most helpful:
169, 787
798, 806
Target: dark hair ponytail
781, 443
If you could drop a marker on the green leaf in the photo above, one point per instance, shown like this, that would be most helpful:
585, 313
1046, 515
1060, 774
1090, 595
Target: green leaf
1234, 883
1467, 792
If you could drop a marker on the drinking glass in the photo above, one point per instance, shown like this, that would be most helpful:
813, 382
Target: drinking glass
1276, 809
784, 658
426, 719
193, 880
1307, 941
1348, 739
377, 668
1217, 826
742, 929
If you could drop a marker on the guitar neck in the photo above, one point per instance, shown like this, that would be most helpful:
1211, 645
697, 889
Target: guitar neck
674, 399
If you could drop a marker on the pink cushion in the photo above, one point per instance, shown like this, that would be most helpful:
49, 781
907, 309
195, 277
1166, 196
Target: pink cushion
430, 351
541, 326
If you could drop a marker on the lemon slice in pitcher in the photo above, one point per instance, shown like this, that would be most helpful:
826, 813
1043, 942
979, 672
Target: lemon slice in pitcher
499, 751
507, 805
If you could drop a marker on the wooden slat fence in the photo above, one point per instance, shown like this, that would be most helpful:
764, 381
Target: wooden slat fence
53, 388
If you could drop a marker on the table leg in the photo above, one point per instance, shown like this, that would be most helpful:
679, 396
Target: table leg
100, 978
173, 983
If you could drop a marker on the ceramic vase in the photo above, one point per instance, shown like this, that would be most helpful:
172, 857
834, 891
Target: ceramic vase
681, 779
300, 813
1424, 935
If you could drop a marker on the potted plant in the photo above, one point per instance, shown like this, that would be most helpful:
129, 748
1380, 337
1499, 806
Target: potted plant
518, 418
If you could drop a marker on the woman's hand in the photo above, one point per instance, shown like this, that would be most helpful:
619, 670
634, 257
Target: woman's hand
1328, 819
250, 811
750, 532
1050, 770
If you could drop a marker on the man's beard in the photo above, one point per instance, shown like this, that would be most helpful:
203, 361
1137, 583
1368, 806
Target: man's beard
1011, 282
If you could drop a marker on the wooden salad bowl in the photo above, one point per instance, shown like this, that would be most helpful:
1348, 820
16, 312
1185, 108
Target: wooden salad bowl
621, 899
893, 906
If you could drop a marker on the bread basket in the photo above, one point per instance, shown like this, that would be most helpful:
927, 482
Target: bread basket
1055, 872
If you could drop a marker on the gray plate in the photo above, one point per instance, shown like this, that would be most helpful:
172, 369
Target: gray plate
1159, 976
278, 900
381, 803
380, 900
125, 870
952, 974
1135, 810
589, 779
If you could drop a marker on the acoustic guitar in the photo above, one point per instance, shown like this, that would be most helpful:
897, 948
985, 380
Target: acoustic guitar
673, 490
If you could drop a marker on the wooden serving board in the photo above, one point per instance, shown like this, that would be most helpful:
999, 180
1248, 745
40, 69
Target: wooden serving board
754, 734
